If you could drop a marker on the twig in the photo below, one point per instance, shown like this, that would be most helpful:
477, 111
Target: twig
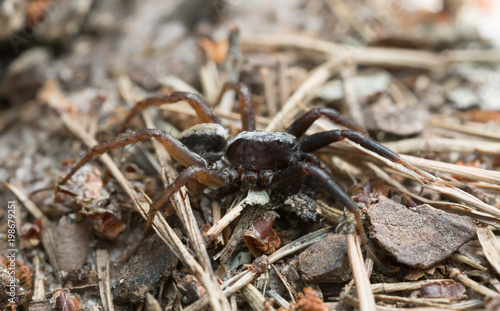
307, 89
53, 96
47, 235
439, 144
255, 299
102, 263
279, 300
476, 286
352, 105
468, 261
470, 128
365, 294
402, 286
38, 283
290, 290
490, 246
392, 57
240, 280
269, 91
182, 206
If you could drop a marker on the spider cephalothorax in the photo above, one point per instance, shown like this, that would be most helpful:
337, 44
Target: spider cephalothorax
253, 159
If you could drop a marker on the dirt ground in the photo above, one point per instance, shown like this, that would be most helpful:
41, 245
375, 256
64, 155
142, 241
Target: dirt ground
420, 79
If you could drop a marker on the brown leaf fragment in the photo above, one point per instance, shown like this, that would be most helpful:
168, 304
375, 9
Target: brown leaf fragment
326, 261
143, 271
31, 230
261, 238
106, 220
444, 289
419, 237
215, 51
86, 187
64, 301
308, 301
72, 244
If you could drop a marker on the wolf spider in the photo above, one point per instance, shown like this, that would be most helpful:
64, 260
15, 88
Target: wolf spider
252, 159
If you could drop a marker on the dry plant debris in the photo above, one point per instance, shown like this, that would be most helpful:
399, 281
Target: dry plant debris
419, 237
422, 81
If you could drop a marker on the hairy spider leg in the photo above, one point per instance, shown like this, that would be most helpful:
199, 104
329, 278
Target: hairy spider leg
174, 147
302, 124
246, 106
330, 188
319, 140
201, 108
202, 174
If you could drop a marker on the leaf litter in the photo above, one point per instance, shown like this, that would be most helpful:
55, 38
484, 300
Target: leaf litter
437, 104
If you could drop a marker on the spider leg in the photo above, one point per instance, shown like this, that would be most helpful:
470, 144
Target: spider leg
202, 174
284, 177
202, 109
246, 107
300, 126
174, 147
322, 139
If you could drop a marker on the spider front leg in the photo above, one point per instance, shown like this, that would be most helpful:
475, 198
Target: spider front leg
201, 108
202, 174
302, 124
174, 147
284, 178
320, 140
246, 106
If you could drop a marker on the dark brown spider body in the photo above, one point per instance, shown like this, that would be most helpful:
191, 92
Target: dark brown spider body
257, 150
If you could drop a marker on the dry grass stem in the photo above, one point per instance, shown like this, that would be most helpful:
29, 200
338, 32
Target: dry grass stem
53, 96
229, 118
352, 105
25, 201
231, 215
283, 84
430, 302
306, 90
365, 294
471, 128
391, 57
269, 91
290, 290
439, 144
181, 204
490, 245
444, 205
102, 263
47, 235
402, 286
279, 299
254, 298
210, 80
39, 281
176, 84
462, 278
243, 278
474, 173
466, 260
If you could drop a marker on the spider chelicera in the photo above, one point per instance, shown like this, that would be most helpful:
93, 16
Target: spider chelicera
252, 159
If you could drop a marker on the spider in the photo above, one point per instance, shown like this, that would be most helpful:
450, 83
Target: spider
253, 159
